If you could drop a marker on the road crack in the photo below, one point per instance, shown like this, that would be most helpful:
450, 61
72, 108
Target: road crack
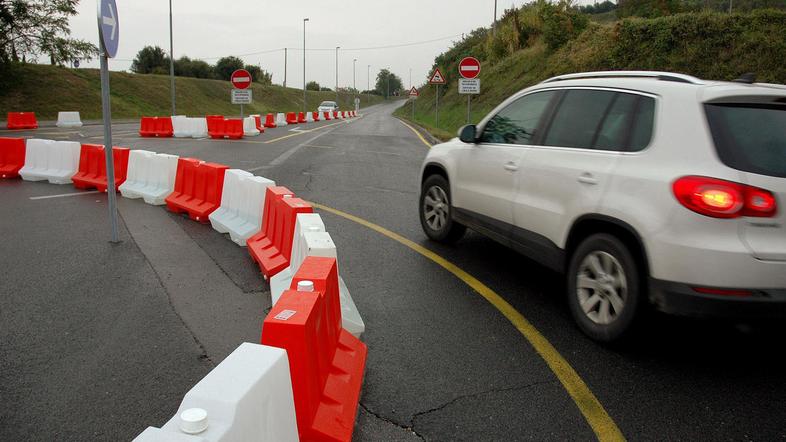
473, 395
386, 420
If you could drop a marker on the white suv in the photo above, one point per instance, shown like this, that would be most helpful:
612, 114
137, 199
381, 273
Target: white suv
642, 187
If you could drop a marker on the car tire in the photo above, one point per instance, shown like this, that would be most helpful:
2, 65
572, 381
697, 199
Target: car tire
436, 211
604, 288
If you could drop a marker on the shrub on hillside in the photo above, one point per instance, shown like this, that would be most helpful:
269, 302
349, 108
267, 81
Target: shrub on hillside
561, 23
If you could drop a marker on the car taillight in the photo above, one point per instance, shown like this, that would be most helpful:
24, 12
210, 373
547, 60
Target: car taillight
723, 199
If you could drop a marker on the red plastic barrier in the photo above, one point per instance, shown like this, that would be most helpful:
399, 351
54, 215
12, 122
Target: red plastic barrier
335, 114
352, 114
270, 121
343, 114
92, 167
22, 120
271, 248
156, 127
301, 117
327, 116
326, 362
291, 118
12, 156
260, 126
224, 128
315, 116
198, 187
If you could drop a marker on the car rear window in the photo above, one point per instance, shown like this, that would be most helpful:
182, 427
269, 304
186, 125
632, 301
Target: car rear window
750, 137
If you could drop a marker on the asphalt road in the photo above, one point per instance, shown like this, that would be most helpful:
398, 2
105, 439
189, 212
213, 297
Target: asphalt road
98, 341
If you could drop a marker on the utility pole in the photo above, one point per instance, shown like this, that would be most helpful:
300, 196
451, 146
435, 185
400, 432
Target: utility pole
410, 78
368, 81
494, 28
171, 59
387, 93
354, 84
731, 3
285, 67
304, 65
337, 48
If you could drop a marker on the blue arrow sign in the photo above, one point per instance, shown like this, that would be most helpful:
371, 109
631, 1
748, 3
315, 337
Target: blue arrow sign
109, 25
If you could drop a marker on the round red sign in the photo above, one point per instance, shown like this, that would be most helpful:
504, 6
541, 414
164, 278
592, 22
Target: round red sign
241, 79
469, 67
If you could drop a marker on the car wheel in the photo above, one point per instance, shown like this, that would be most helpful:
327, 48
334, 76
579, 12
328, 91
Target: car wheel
604, 290
435, 211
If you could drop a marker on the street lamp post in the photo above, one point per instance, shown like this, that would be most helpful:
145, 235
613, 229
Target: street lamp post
171, 59
304, 65
354, 84
387, 92
337, 48
368, 82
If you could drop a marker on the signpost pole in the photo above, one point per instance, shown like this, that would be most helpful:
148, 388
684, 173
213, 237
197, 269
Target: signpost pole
413, 109
436, 110
468, 105
241, 111
106, 109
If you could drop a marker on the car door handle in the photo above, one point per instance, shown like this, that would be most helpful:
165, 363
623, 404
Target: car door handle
511, 166
587, 178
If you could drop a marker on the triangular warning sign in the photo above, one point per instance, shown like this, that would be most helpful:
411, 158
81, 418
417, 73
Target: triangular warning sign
413, 92
437, 77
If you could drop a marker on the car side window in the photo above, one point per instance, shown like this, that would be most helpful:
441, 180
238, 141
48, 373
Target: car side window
641, 133
516, 123
614, 129
578, 118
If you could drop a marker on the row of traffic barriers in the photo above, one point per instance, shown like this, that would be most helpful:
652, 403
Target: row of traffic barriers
303, 381
27, 120
219, 127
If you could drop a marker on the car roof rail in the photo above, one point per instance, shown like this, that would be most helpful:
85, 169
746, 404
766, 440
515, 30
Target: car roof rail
664, 76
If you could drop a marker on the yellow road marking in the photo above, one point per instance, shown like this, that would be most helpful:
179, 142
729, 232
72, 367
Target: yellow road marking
602, 424
416, 133
303, 132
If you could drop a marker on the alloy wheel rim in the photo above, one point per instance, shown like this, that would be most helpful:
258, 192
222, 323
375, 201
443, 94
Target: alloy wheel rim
601, 287
436, 208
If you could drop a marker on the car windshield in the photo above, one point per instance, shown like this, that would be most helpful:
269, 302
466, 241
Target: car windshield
750, 137
328, 103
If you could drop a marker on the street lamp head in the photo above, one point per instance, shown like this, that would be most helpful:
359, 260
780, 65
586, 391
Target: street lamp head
305, 19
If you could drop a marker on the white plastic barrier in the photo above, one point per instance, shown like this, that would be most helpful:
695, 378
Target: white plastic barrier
180, 126
250, 127
56, 161
150, 176
309, 117
310, 239
69, 119
247, 397
185, 127
242, 200
281, 119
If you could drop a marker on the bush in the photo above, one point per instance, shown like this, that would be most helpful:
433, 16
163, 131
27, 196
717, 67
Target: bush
561, 23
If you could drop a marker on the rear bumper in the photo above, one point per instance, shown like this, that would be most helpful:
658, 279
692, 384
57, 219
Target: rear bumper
681, 299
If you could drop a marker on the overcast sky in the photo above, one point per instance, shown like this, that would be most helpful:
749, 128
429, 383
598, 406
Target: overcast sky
209, 29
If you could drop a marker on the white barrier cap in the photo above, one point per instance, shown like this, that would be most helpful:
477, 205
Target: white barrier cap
193, 421
305, 286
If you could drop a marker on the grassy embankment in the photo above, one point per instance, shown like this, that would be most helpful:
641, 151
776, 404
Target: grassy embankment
527, 50
46, 90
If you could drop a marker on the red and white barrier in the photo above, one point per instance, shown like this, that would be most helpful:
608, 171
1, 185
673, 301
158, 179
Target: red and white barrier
250, 127
311, 239
281, 119
68, 119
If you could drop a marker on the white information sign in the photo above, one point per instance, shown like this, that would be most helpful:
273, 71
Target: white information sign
469, 86
241, 96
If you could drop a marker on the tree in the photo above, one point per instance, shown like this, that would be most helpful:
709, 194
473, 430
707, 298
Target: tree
226, 65
29, 28
381, 86
186, 67
648, 8
151, 59
312, 86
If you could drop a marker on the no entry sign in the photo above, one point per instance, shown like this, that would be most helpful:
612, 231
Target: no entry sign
241, 79
469, 67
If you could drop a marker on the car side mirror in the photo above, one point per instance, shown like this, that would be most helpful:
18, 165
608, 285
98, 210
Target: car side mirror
468, 134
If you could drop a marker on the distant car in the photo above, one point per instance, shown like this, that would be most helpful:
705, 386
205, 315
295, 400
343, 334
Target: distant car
642, 187
327, 106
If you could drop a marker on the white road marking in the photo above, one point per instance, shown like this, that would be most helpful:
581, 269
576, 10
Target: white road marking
64, 195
